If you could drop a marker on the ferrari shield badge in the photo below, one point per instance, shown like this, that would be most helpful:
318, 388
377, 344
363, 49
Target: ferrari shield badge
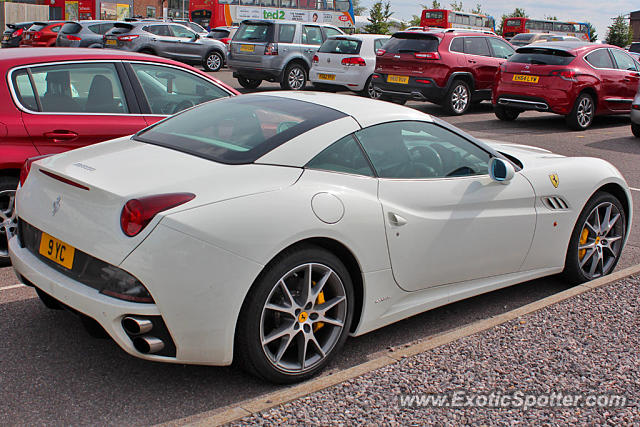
554, 179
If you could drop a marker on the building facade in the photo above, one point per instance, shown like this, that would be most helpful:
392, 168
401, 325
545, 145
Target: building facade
634, 23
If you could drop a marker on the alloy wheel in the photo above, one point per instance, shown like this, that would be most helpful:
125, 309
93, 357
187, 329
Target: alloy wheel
372, 92
600, 240
584, 112
303, 318
8, 220
296, 78
459, 98
214, 61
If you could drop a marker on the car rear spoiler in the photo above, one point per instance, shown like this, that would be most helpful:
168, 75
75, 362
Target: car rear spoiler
123, 25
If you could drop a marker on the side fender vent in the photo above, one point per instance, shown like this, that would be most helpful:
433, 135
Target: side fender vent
555, 203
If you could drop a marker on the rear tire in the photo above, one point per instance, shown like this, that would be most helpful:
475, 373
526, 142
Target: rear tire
249, 83
8, 217
294, 78
369, 91
213, 61
582, 114
635, 129
458, 98
506, 114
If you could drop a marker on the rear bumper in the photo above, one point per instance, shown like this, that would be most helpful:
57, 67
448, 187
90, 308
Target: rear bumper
354, 80
267, 68
10, 43
557, 101
256, 73
424, 90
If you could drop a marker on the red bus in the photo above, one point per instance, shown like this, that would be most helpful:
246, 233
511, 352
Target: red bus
513, 26
443, 18
221, 13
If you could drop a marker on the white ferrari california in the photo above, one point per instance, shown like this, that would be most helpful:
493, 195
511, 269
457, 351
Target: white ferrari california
265, 228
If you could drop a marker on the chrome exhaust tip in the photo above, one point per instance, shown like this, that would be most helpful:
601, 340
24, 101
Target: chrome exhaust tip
135, 326
148, 345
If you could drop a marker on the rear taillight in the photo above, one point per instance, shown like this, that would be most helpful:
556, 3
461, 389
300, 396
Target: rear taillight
380, 52
271, 49
128, 38
37, 34
569, 75
427, 55
353, 61
636, 106
137, 213
18, 32
73, 38
315, 59
26, 167
226, 40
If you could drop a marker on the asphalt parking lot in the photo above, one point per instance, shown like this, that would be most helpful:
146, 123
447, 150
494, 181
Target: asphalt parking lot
51, 371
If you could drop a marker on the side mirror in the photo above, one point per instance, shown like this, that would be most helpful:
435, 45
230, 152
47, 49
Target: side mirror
500, 170
196, 36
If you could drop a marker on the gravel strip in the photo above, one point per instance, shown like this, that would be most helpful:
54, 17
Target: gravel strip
585, 345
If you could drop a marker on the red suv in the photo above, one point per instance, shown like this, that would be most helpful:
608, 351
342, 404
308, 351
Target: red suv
55, 99
575, 79
449, 67
41, 34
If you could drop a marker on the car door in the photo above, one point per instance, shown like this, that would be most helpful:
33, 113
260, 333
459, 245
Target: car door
163, 41
312, 38
79, 104
479, 59
628, 78
610, 78
189, 48
168, 90
446, 220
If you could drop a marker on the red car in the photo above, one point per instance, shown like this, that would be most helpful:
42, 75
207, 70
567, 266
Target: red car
450, 67
58, 99
578, 80
41, 34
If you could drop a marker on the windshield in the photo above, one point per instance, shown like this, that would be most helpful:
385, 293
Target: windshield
341, 45
238, 130
408, 43
538, 56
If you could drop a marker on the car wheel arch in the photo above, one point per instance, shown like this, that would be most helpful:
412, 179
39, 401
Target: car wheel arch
592, 93
618, 192
461, 75
299, 61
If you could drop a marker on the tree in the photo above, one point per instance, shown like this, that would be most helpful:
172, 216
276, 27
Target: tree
517, 13
414, 21
551, 18
435, 4
478, 10
379, 15
619, 32
593, 35
358, 9
456, 6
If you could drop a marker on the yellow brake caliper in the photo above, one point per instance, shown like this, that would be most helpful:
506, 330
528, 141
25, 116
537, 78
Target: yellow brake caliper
583, 239
319, 300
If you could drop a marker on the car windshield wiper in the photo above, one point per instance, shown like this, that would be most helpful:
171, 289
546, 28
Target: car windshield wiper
407, 50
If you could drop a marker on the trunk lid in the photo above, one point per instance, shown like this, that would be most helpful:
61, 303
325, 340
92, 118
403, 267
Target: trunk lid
333, 51
117, 171
531, 62
400, 54
250, 40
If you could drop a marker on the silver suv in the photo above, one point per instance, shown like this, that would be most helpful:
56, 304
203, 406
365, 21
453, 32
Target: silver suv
276, 51
169, 40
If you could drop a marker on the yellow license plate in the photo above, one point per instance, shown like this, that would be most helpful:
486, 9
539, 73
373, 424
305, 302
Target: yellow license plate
398, 79
111, 42
525, 79
247, 48
5, 38
326, 76
57, 250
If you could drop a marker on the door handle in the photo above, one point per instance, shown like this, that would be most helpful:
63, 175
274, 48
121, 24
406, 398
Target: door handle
472, 61
61, 135
396, 219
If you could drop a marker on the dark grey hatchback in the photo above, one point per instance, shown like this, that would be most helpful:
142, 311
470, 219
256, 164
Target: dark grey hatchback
83, 33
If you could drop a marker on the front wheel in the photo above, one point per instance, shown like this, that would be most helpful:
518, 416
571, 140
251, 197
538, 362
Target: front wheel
581, 116
635, 129
213, 61
296, 317
295, 77
458, 98
597, 239
8, 217
506, 114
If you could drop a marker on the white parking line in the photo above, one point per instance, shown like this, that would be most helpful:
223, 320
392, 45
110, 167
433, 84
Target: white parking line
6, 288
634, 189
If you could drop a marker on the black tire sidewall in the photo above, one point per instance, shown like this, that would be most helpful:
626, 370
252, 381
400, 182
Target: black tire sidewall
572, 271
7, 183
506, 114
206, 58
285, 79
635, 129
572, 118
248, 348
246, 83
448, 105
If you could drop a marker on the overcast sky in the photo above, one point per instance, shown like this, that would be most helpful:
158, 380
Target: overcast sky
599, 13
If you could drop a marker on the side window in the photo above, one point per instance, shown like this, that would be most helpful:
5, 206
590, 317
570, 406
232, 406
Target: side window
79, 88
286, 33
476, 46
457, 45
624, 61
421, 150
311, 35
56, 28
500, 49
95, 28
180, 31
159, 30
105, 27
345, 155
330, 31
169, 90
378, 43
24, 90
600, 59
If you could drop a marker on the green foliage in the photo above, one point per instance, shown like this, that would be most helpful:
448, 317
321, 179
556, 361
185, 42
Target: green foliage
517, 13
358, 9
619, 32
593, 35
414, 21
551, 18
435, 4
478, 9
379, 15
456, 6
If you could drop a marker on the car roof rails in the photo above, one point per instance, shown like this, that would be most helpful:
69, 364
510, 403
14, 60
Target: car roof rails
472, 30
